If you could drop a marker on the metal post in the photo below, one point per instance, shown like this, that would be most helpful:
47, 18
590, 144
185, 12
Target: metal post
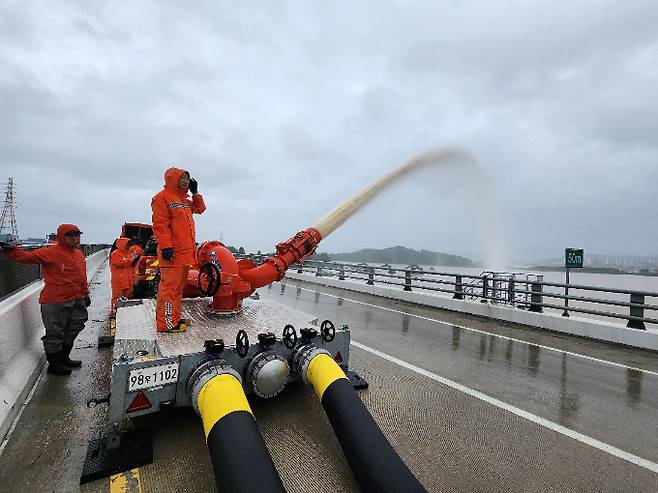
536, 298
371, 276
511, 296
407, 280
565, 313
341, 275
459, 287
485, 289
637, 311
318, 272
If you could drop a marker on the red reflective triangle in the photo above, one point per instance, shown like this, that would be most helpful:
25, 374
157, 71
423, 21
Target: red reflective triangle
338, 358
139, 403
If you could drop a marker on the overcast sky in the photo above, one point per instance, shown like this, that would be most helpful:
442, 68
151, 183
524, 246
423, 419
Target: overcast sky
283, 109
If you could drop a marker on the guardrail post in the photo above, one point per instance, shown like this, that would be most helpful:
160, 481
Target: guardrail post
485, 289
637, 311
300, 269
459, 287
511, 294
371, 276
407, 280
341, 274
536, 298
318, 272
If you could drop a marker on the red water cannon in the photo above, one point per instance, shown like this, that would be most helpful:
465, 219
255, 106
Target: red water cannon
229, 281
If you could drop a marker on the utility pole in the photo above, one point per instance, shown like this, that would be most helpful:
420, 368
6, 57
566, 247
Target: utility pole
8, 221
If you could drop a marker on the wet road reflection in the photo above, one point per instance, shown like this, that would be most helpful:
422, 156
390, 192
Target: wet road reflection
569, 402
584, 395
456, 334
633, 387
533, 359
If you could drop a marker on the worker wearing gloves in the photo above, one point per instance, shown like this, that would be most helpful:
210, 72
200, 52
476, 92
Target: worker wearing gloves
65, 295
173, 227
121, 269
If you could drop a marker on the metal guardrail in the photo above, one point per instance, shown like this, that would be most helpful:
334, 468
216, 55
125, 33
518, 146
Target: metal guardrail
521, 290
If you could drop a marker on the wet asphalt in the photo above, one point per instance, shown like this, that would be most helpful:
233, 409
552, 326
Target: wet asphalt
451, 441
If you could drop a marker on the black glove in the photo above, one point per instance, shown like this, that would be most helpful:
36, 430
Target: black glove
136, 259
194, 186
167, 253
87, 301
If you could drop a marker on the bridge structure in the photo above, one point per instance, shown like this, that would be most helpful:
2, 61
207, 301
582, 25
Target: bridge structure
470, 402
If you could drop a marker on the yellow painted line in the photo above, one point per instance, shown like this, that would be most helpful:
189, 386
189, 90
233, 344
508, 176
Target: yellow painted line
126, 482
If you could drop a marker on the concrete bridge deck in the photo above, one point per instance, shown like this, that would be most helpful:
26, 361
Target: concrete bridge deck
470, 404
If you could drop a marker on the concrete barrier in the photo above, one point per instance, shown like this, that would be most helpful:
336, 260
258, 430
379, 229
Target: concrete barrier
21, 351
578, 326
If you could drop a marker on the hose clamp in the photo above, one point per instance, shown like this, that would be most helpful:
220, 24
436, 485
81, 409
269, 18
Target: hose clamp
205, 372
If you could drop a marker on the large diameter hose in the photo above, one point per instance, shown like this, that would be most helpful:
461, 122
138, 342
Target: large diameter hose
239, 456
376, 465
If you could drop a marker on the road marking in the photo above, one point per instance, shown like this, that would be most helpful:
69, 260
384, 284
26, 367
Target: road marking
598, 360
592, 442
126, 482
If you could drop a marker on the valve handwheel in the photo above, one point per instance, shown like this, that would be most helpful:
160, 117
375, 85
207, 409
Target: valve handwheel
212, 274
242, 343
328, 330
289, 336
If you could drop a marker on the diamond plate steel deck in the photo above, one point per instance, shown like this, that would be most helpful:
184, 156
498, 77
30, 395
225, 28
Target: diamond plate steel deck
138, 322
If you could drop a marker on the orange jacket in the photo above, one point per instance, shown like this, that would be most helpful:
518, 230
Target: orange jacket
64, 268
121, 266
173, 224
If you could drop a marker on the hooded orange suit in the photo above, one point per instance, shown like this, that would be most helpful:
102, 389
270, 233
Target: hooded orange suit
64, 268
173, 227
121, 271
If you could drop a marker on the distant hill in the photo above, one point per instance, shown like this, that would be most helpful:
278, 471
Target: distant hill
403, 255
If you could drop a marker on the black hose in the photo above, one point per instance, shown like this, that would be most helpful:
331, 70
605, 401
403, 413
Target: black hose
239, 456
376, 465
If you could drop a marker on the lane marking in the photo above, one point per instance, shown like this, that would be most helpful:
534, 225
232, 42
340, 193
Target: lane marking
592, 442
126, 482
591, 358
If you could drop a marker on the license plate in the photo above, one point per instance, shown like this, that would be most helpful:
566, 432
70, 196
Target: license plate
153, 376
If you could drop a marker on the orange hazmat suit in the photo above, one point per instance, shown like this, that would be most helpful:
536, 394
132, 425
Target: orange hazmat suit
173, 227
64, 268
121, 272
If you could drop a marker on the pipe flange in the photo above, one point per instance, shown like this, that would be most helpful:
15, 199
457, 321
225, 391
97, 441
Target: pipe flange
267, 373
303, 356
205, 372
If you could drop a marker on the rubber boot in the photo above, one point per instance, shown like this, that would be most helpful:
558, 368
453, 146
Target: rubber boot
180, 327
55, 365
66, 360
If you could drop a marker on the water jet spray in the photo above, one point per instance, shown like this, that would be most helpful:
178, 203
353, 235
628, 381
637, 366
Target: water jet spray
229, 281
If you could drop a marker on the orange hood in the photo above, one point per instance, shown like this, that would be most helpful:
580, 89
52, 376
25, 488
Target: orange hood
122, 244
171, 177
62, 229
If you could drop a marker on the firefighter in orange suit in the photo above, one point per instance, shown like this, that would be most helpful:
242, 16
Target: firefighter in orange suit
135, 250
121, 267
173, 227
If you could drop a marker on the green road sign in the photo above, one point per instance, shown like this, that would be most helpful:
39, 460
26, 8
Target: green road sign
573, 258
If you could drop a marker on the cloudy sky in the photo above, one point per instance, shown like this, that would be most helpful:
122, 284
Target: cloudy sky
283, 109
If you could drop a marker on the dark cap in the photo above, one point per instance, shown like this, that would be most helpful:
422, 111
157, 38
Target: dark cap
73, 232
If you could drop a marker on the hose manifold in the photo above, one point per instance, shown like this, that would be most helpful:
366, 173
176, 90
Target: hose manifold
302, 357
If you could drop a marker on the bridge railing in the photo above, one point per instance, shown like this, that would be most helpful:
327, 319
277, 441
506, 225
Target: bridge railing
525, 291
